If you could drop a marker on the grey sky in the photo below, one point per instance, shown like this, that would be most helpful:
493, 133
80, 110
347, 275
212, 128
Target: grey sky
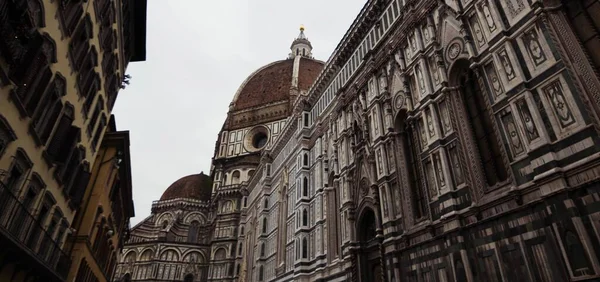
198, 53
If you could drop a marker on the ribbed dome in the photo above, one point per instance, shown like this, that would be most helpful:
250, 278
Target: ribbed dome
272, 83
195, 186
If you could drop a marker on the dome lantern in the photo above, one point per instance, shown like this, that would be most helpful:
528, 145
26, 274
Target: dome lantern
301, 46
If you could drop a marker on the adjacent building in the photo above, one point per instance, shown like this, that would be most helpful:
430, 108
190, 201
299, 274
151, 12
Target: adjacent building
101, 225
441, 141
62, 64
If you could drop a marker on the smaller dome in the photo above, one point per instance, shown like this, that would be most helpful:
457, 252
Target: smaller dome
195, 186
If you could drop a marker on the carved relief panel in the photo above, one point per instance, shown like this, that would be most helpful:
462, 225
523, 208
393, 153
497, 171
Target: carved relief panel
503, 73
560, 106
536, 52
514, 9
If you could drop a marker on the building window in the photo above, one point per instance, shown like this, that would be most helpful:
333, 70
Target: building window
193, 232
304, 248
266, 203
305, 160
260, 273
64, 137
235, 177
408, 157
189, 278
99, 132
304, 217
482, 130
46, 115
264, 225
7, 135
239, 249
305, 187
262, 250
18, 172
95, 116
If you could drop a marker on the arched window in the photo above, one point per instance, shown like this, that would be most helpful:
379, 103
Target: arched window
239, 249
235, 177
193, 232
126, 278
250, 174
245, 201
189, 278
305, 159
262, 249
303, 52
367, 226
304, 248
242, 230
224, 179
482, 129
305, 187
264, 225
237, 270
304, 217
260, 273
266, 203
407, 156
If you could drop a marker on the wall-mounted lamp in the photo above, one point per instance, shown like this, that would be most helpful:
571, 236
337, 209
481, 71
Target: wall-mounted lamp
110, 232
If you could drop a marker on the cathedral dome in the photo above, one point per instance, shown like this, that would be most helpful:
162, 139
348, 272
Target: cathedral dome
195, 186
273, 82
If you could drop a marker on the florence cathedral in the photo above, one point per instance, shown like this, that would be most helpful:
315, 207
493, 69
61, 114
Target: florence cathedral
442, 141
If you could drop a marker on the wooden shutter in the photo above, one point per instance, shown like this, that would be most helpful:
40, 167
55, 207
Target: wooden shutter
79, 186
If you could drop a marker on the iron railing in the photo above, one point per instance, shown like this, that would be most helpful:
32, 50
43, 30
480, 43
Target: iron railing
17, 222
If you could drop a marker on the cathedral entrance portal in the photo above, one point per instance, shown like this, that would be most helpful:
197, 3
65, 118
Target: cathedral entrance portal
369, 255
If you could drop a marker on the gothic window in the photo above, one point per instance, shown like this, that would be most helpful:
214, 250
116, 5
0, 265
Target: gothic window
266, 203
368, 226
239, 249
237, 270
303, 52
304, 217
193, 232
305, 160
260, 273
242, 230
7, 135
482, 130
304, 248
305, 187
262, 250
264, 225
409, 148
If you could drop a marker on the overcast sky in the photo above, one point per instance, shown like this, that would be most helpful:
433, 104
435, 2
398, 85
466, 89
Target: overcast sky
198, 54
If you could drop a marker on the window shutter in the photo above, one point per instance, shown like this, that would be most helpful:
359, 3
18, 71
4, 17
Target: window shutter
38, 90
55, 148
79, 186
48, 119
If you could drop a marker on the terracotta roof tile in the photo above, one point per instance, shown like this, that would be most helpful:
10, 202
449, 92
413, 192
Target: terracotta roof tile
272, 84
196, 186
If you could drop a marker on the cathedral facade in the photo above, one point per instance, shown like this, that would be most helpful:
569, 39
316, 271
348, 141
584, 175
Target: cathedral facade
442, 141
